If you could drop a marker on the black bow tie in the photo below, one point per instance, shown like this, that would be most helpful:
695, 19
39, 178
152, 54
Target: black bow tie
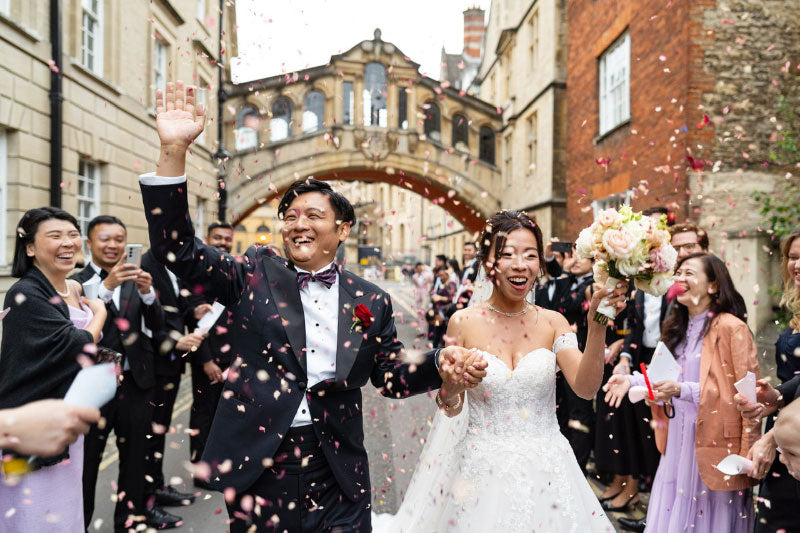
103, 274
327, 277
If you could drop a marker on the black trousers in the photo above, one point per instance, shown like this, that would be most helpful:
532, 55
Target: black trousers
576, 419
205, 397
164, 395
129, 415
301, 490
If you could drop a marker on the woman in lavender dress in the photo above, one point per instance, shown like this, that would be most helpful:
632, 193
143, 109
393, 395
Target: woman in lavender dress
707, 333
44, 333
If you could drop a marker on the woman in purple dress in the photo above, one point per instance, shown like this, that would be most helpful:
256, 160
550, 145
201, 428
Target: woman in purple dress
712, 344
46, 330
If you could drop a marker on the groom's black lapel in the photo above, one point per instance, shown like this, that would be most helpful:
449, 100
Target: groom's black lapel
283, 286
348, 342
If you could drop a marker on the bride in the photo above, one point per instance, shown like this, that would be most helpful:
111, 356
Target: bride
495, 458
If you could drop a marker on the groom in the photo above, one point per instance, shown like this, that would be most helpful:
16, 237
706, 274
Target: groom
307, 335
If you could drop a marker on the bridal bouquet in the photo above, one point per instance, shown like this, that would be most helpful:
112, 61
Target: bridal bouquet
626, 245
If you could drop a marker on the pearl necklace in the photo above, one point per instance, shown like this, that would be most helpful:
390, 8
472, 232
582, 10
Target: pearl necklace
510, 315
63, 295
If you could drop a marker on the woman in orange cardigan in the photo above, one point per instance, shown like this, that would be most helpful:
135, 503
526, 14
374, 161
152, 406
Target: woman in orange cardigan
707, 333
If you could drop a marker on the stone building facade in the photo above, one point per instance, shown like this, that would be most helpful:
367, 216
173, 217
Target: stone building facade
524, 74
677, 104
114, 55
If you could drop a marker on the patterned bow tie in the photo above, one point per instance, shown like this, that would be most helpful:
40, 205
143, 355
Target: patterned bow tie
327, 277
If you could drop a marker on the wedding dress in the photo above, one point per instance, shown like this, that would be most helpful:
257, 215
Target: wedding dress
502, 464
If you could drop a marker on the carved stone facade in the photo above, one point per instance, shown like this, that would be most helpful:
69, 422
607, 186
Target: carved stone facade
109, 133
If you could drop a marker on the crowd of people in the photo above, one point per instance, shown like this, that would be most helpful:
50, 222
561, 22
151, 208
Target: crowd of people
276, 418
136, 314
668, 447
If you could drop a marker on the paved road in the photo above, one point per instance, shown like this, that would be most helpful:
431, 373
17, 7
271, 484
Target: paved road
394, 434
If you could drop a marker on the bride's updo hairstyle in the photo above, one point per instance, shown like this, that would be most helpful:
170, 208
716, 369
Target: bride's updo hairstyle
496, 231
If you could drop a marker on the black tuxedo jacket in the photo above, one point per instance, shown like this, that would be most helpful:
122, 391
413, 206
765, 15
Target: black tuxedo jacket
633, 340
178, 314
267, 379
129, 340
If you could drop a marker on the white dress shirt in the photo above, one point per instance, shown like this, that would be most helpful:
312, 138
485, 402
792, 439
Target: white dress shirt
652, 320
107, 295
321, 312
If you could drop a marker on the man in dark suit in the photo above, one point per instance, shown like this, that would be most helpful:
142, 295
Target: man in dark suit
173, 345
133, 313
306, 336
211, 359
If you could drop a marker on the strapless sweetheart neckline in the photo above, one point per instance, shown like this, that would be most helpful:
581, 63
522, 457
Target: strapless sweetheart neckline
521, 359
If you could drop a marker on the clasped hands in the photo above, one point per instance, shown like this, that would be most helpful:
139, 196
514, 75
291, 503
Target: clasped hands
460, 369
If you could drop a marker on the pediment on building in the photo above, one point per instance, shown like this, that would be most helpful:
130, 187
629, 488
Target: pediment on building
376, 49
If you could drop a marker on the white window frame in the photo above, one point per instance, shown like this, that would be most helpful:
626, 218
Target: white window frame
201, 97
97, 32
614, 78
5, 9
91, 174
613, 201
532, 125
200, 219
200, 10
160, 53
4, 195
534, 48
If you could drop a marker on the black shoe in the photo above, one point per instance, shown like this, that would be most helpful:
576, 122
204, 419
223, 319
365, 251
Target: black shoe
607, 498
160, 519
609, 508
201, 484
630, 524
169, 497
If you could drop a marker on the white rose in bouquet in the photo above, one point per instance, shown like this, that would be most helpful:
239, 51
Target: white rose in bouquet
585, 243
608, 218
600, 269
620, 244
628, 267
657, 286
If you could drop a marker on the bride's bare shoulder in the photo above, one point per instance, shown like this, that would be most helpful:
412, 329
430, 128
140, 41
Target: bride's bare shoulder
467, 315
553, 318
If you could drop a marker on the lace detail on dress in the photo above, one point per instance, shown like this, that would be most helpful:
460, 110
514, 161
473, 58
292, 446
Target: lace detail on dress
567, 340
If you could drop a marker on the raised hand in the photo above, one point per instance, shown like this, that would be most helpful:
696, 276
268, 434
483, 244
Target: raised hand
178, 120
762, 453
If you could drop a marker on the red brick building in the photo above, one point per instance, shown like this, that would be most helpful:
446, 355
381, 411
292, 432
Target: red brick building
657, 87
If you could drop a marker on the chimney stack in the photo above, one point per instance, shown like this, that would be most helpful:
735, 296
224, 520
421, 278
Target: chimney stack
473, 32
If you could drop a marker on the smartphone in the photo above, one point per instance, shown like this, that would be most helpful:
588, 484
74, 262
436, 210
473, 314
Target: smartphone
562, 247
133, 254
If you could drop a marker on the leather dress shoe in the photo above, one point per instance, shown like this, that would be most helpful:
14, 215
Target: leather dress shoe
160, 519
169, 497
630, 524
624, 508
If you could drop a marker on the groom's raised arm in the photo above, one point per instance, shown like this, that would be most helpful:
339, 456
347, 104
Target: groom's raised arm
166, 206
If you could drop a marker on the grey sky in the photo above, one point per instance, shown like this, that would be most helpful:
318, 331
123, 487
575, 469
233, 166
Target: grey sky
277, 37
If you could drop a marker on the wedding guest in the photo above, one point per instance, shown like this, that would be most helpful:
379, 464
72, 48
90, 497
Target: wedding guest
469, 256
625, 444
439, 262
131, 302
44, 428
47, 328
787, 436
212, 358
455, 271
707, 333
422, 279
779, 494
439, 301
172, 344
688, 239
575, 414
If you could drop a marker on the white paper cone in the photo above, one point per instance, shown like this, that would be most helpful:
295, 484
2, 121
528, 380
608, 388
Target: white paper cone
735, 464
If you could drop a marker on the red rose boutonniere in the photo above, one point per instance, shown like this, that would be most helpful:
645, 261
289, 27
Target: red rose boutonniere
361, 317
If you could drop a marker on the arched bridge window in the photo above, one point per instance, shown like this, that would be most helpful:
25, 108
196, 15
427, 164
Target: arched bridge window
247, 124
374, 97
486, 145
313, 111
433, 121
460, 132
279, 126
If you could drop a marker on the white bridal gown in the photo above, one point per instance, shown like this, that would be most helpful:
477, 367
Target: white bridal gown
502, 464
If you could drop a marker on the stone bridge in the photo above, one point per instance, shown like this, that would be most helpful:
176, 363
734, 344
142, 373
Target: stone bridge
367, 115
